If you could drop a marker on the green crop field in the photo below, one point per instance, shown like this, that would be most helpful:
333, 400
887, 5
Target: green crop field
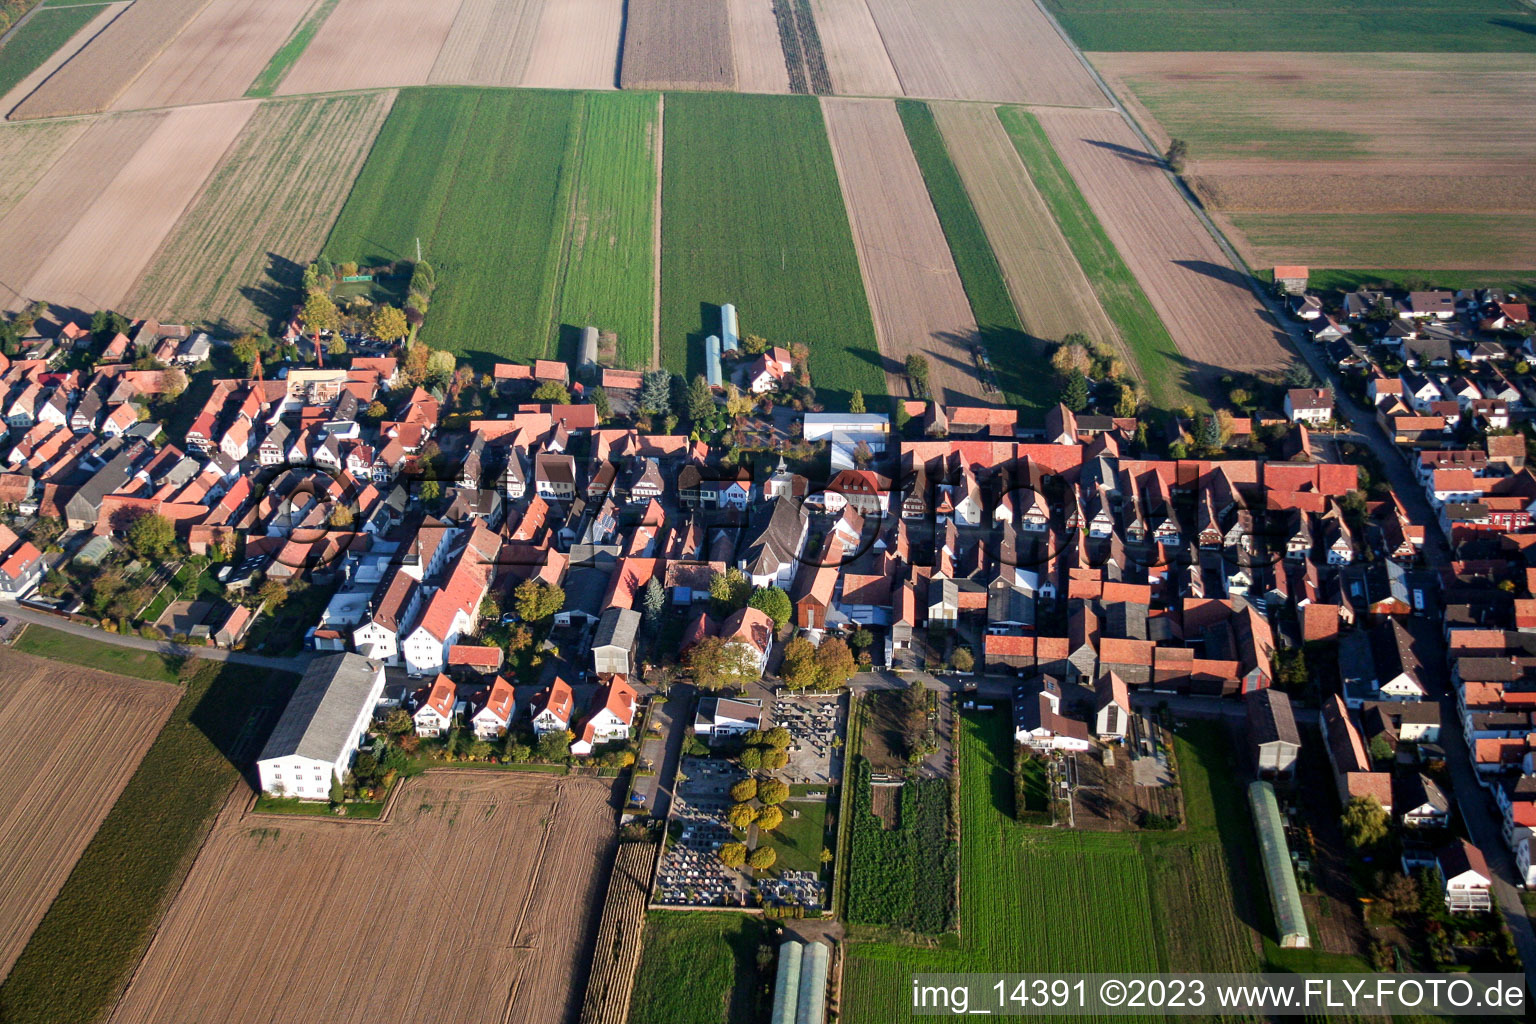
272, 75
904, 876
1126, 305
752, 215
1472, 26
1039, 899
127, 661
1520, 283
1343, 239
37, 40
94, 933
487, 180
700, 968
1017, 358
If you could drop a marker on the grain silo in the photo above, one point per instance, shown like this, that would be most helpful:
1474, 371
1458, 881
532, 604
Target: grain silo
586, 352
712, 360
786, 988
812, 1002
730, 336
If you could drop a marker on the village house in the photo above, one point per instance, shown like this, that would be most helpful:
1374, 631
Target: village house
609, 718
312, 745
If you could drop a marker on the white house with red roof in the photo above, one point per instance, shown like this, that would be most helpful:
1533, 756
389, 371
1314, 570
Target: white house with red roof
768, 370
494, 710
434, 715
609, 717
551, 708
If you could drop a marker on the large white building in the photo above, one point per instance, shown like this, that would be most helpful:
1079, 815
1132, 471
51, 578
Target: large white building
322, 726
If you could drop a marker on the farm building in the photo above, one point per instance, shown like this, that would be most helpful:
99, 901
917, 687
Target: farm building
586, 352
614, 643
730, 333
712, 360
1284, 896
1291, 280
786, 986
1272, 733
313, 742
800, 990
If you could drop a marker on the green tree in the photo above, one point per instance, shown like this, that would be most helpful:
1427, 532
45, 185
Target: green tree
773, 792
856, 403
245, 349
1074, 393
1209, 432
774, 759
1178, 450
552, 391
716, 664
835, 663
319, 313
653, 601
430, 490
778, 737
762, 858
741, 815
172, 383
440, 367
108, 323
752, 759
1125, 401
399, 722
1365, 822
1297, 375
601, 403
337, 346
1240, 397
733, 855
917, 372
388, 323
536, 600
729, 590
554, 747
962, 660
754, 345
769, 819
860, 639
1381, 748
701, 399
744, 791
798, 669
152, 535
655, 392
774, 602
1178, 153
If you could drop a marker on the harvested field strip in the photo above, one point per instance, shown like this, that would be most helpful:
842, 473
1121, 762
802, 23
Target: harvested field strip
607, 269
97, 262
857, 63
372, 44
526, 853
93, 934
116, 56
1208, 305
44, 35
671, 45
1120, 296
73, 736
1004, 52
1306, 188
1346, 238
39, 220
233, 261
1018, 358
577, 46
218, 56
612, 977
915, 293
757, 50
271, 76
700, 968
27, 151
488, 44
752, 214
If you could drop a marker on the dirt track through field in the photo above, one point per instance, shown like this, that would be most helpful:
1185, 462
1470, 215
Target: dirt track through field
488, 44
855, 53
1003, 50
1051, 293
677, 44
473, 903
915, 294
61, 56
218, 56
372, 44
755, 47
116, 56
1216, 321
233, 258
577, 46
73, 737
97, 262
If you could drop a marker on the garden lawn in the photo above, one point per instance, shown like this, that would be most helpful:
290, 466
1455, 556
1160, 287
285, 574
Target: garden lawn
85, 948
77, 650
37, 40
798, 842
752, 215
1018, 360
1124, 302
1467, 26
493, 207
698, 968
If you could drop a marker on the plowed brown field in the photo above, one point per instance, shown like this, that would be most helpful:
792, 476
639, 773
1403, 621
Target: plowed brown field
98, 260
232, 260
218, 56
116, 56
677, 44
72, 46
577, 46
755, 47
855, 53
915, 294
1206, 305
371, 44
1049, 289
474, 902
1004, 50
488, 44
73, 736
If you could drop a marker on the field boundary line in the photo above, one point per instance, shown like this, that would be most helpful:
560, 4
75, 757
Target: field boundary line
661, 121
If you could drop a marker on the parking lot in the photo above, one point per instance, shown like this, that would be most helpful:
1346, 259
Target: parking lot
813, 724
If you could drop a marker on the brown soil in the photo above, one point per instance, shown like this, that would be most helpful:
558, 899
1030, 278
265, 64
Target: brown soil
677, 44
73, 737
1309, 192
914, 290
474, 902
27, 151
61, 56
855, 53
488, 44
1213, 317
888, 726
577, 46
617, 953
1004, 50
370, 44
218, 56
106, 65
755, 47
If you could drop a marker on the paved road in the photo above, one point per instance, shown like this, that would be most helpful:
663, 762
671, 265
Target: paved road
679, 718
167, 647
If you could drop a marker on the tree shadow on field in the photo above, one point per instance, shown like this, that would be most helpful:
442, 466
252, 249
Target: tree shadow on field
275, 296
1519, 26
238, 710
1222, 273
1135, 156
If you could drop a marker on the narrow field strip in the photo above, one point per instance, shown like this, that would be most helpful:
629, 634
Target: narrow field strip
856, 58
234, 260
27, 151
372, 44
755, 47
488, 44
577, 46
1018, 357
271, 76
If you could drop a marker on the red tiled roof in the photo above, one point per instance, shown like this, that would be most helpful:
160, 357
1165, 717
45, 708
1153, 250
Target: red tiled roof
440, 699
475, 656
